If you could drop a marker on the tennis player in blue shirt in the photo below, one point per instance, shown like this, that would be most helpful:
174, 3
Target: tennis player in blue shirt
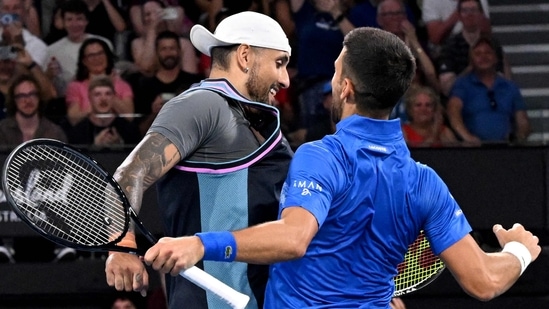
353, 202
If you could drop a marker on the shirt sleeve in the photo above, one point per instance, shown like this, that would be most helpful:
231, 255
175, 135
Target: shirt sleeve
445, 223
73, 93
459, 89
313, 181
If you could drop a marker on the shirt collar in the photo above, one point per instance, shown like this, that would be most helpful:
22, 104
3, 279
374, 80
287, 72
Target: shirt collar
372, 128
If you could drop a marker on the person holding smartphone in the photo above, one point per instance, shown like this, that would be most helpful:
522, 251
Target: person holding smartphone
13, 31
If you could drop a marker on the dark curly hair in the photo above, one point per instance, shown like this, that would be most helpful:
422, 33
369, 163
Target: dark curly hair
82, 72
11, 107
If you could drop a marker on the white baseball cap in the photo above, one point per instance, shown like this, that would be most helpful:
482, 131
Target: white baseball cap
254, 29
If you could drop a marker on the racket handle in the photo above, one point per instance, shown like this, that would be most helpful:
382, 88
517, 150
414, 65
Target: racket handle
208, 282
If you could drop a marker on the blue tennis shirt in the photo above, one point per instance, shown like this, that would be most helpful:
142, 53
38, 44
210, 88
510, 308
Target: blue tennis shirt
370, 200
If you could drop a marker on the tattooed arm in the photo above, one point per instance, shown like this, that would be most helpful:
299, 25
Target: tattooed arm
150, 159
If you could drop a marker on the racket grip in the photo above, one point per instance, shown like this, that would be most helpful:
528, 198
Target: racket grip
208, 282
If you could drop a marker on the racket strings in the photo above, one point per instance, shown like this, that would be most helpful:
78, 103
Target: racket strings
419, 265
69, 191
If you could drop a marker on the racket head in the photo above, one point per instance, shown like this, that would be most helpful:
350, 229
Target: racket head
66, 196
419, 268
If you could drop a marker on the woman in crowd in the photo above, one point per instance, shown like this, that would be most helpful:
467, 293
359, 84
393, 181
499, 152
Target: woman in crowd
95, 59
425, 126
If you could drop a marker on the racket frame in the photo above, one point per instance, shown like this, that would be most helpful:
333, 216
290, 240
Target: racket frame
199, 277
426, 281
128, 211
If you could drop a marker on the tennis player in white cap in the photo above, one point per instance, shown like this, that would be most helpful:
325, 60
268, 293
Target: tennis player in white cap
217, 155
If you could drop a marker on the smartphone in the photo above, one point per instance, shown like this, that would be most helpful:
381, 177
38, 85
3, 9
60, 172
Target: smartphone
170, 13
7, 18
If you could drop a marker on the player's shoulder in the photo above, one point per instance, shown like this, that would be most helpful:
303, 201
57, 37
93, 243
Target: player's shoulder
200, 98
325, 148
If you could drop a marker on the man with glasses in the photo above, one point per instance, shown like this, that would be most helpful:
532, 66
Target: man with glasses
441, 19
454, 55
485, 106
24, 121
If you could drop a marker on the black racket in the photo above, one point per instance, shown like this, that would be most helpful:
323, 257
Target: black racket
68, 198
419, 268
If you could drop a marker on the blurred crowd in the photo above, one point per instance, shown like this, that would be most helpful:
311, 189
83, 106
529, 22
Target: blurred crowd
96, 72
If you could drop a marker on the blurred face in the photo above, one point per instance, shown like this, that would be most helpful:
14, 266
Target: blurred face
75, 24
95, 59
150, 9
337, 102
483, 58
12, 7
470, 15
267, 75
423, 109
169, 54
26, 99
101, 99
390, 16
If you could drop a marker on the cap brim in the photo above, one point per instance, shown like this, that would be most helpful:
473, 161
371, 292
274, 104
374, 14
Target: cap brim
204, 40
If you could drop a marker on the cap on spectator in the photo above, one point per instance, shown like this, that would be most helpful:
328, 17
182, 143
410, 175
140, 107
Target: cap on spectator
254, 29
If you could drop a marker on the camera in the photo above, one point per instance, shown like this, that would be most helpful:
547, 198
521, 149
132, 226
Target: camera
7, 18
170, 13
8, 52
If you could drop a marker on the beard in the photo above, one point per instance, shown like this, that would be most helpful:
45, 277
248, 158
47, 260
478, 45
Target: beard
336, 110
28, 115
257, 92
169, 62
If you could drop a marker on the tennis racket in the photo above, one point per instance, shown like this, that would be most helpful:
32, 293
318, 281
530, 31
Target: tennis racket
68, 198
419, 268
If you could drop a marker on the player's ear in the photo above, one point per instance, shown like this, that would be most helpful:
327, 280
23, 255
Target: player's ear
244, 56
347, 90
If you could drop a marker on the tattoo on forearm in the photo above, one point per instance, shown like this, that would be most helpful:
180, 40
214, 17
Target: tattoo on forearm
145, 165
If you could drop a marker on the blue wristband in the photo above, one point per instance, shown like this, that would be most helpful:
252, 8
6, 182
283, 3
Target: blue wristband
218, 246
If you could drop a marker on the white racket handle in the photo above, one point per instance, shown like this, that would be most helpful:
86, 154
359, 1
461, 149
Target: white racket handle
208, 282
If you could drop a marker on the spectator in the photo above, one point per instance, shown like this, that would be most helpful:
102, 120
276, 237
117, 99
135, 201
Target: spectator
485, 106
425, 126
95, 58
105, 19
16, 60
26, 12
102, 127
454, 57
25, 120
12, 30
143, 47
168, 81
391, 16
56, 30
365, 14
442, 19
63, 54
318, 23
181, 24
